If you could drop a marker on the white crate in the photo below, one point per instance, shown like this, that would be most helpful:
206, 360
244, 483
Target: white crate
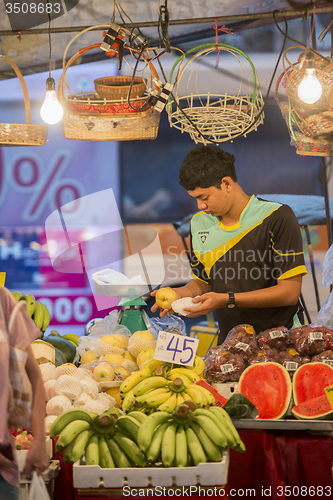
205, 474
227, 389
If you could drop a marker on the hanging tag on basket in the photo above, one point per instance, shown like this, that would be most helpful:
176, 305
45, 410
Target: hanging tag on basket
177, 349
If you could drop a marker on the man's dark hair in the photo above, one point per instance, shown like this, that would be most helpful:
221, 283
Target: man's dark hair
205, 166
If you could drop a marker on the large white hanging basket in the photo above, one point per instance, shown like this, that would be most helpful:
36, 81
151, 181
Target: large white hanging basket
210, 117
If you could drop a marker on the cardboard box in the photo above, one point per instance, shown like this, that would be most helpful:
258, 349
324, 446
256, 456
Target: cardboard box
205, 474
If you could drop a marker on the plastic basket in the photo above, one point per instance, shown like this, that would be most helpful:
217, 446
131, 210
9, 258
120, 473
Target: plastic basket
22, 134
98, 122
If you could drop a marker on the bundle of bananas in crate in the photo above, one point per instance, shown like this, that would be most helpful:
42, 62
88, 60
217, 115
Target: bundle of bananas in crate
159, 386
35, 309
185, 437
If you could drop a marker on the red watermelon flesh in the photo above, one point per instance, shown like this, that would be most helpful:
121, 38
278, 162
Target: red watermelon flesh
315, 408
267, 385
309, 381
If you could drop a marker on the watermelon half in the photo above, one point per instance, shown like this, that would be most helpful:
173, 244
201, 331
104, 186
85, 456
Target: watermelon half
309, 381
268, 386
315, 408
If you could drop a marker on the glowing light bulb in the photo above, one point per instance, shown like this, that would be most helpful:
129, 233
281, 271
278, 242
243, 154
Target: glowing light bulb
310, 89
51, 110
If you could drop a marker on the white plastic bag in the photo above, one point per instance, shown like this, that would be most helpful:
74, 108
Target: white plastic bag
325, 315
327, 275
38, 490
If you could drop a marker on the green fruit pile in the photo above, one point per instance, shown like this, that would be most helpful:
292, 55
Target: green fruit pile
35, 309
186, 437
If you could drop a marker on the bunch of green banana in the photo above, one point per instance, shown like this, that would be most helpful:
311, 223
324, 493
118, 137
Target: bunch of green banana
35, 309
185, 437
108, 439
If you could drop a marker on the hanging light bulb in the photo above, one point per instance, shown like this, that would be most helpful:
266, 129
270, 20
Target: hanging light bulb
51, 110
310, 89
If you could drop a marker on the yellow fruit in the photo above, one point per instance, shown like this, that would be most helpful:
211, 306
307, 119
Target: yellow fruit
114, 393
139, 341
127, 355
111, 340
108, 344
120, 373
113, 359
165, 296
65, 369
121, 338
88, 357
72, 337
103, 372
145, 355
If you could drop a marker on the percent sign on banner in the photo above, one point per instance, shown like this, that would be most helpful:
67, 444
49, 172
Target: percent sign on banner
45, 185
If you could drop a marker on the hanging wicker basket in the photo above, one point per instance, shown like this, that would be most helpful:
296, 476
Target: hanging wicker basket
88, 117
210, 117
310, 126
22, 134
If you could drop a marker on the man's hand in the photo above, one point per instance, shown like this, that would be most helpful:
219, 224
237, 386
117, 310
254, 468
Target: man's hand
210, 302
155, 307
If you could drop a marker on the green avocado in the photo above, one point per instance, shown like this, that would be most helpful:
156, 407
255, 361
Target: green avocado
67, 348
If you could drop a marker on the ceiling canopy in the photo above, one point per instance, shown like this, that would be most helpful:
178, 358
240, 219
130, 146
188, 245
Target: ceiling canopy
43, 28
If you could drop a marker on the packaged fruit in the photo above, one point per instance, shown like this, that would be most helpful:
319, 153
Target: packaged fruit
222, 365
311, 339
277, 338
241, 340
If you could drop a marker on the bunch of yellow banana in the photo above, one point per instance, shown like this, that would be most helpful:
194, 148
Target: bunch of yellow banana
162, 389
35, 309
186, 438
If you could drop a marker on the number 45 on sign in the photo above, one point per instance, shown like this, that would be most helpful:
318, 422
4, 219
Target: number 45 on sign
174, 348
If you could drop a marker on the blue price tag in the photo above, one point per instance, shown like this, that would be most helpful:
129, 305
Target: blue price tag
174, 348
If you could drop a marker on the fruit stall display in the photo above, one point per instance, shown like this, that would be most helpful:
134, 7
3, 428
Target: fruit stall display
112, 406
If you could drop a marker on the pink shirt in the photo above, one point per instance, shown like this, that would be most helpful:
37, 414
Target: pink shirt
23, 333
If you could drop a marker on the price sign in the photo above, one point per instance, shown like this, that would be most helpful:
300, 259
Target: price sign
329, 394
177, 349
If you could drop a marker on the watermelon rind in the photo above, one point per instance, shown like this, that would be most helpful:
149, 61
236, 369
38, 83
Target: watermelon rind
267, 385
309, 381
318, 408
239, 406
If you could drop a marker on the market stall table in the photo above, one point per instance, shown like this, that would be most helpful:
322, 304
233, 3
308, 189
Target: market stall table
283, 459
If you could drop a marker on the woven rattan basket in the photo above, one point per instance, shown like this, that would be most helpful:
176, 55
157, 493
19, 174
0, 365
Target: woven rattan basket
210, 117
310, 126
98, 125
22, 134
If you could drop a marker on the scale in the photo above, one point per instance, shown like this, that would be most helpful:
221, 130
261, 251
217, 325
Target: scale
132, 314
